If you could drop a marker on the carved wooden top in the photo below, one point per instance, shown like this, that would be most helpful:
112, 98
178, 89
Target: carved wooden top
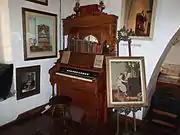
88, 21
92, 21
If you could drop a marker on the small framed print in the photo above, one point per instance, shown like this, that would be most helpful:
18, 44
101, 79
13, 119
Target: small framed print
42, 2
98, 62
27, 81
126, 82
65, 57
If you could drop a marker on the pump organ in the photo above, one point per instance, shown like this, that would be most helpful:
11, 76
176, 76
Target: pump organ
78, 78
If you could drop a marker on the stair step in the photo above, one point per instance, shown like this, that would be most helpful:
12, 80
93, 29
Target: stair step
165, 113
163, 123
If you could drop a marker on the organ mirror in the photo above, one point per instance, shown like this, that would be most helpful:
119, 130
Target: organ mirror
91, 38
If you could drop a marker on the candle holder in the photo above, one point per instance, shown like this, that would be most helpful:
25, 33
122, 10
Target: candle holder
101, 5
77, 7
124, 35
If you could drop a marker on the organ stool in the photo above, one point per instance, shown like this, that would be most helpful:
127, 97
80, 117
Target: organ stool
62, 104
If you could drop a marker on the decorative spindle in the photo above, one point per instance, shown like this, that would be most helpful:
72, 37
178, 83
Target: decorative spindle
101, 5
77, 7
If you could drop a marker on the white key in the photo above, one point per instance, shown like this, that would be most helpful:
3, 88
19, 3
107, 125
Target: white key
71, 76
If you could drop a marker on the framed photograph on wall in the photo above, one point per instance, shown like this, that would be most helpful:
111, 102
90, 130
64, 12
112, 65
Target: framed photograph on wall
27, 81
42, 2
39, 34
126, 82
139, 16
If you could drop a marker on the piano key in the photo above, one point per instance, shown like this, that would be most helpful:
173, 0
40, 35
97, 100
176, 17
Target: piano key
76, 77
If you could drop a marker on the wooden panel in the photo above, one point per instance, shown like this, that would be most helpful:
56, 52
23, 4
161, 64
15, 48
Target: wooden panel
90, 96
102, 26
83, 99
86, 60
88, 21
71, 83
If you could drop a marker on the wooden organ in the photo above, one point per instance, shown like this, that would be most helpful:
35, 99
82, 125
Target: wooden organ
80, 80
74, 72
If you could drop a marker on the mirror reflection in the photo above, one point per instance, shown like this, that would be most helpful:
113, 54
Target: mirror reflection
91, 38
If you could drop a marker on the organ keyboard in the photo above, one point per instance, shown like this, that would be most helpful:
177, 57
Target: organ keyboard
77, 74
82, 82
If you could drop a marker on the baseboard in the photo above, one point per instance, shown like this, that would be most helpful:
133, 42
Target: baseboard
24, 117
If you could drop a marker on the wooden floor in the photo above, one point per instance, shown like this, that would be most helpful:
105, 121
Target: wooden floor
46, 125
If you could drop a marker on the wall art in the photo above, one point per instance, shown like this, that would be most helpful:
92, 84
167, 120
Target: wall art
126, 82
40, 34
139, 16
27, 81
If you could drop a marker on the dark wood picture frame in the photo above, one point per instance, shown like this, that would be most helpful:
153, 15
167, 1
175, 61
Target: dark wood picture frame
39, 2
27, 81
39, 34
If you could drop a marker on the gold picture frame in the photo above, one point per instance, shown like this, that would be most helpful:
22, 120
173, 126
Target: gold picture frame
126, 82
139, 16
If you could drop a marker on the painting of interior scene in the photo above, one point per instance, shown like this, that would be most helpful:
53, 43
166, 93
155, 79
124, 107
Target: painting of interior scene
40, 37
138, 16
126, 81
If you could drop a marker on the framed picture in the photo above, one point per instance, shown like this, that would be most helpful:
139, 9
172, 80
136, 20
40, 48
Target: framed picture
39, 34
27, 81
139, 16
42, 2
126, 82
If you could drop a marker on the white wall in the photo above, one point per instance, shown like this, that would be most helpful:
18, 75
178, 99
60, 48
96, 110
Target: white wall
167, 22
173, 55
10, 108
5, 43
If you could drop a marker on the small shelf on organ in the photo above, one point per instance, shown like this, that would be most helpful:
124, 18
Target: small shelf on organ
84, 46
